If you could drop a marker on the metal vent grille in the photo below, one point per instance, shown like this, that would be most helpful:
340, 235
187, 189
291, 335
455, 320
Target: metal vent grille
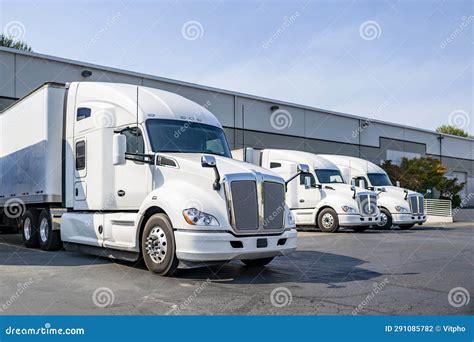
417, 205
367, 204
274, 205
245, 204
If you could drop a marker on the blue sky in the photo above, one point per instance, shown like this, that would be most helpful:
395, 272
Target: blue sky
402, 68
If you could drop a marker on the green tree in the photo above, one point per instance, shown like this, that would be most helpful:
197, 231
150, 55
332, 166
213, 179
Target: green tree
11, 43
422, 174
447, 129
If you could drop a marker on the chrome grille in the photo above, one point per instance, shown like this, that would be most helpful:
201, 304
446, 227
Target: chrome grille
245, 205
367, 204
417, 205
274, 205
255, 202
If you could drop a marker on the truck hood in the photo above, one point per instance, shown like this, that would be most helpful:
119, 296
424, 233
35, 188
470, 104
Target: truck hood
345, 189
398, 192
191, 162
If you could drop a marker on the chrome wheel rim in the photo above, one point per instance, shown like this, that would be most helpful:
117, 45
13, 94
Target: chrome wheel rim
157, 245
27, 228
327, 220
44, 231
383, 220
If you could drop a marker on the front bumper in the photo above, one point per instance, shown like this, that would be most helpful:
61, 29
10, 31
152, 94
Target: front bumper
210, 246
409, 218
353, 220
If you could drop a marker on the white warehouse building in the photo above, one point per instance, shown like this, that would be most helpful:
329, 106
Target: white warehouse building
258, 122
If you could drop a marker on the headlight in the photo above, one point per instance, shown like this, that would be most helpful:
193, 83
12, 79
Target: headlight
198, 218
348, 209
401, 209
290, 219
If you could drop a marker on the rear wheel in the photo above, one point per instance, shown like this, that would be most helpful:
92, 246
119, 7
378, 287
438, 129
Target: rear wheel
385, 219
328, 221
49, 239
360, 229
29, 228
257, 262
159, 246
406, 226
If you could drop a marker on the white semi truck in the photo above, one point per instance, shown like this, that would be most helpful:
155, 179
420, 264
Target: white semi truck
127, 171
400, 207
320, 198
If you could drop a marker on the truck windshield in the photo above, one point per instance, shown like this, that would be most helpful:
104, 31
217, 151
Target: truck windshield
329, 176
379, 179
186, 137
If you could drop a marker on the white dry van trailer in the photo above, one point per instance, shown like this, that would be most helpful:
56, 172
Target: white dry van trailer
127, 171
320, 198
398, 206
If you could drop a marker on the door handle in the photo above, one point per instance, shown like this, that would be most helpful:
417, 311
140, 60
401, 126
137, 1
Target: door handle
301, 200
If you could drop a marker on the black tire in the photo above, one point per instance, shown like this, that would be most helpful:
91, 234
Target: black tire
257, 262
158, 230
328, 221
360, 229
388, 223
29, 228
406, 226
49, 239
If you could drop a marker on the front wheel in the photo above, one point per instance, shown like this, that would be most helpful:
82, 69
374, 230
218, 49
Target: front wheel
385, 219
257, 262
406, 226
328, 221
159, 245
49, 239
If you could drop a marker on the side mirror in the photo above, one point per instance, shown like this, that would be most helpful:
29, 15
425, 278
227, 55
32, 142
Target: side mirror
302, 168
362, 183
307, 182
208, 161
398, 184
119, 147
353, 182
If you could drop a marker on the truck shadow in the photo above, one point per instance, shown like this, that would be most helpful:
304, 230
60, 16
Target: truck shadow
300, 266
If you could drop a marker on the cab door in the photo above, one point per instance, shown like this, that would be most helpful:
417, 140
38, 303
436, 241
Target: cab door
132, 179
308, 198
